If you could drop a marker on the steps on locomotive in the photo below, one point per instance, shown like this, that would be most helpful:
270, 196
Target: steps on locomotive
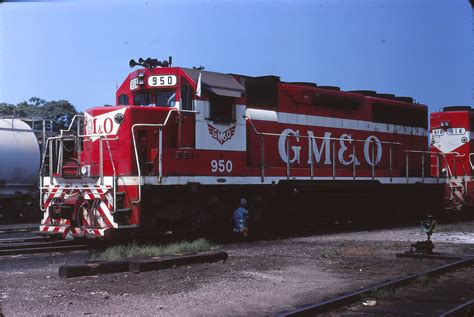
71, 171
121, 213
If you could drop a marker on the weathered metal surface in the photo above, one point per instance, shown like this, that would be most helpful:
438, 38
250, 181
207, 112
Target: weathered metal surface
19, 157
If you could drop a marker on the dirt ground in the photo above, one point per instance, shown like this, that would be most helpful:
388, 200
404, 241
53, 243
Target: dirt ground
260, 278
424, 297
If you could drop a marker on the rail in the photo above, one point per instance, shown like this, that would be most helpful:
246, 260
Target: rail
344, 300
60, 158
160, 151
41, 245
333, 152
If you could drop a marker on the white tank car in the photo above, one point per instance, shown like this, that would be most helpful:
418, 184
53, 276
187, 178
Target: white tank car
19, 159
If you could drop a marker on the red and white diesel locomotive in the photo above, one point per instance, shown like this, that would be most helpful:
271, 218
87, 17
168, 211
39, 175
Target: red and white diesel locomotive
451, 136
183, 145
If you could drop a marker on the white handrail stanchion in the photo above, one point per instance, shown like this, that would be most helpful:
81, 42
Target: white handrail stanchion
287, 143
160, 154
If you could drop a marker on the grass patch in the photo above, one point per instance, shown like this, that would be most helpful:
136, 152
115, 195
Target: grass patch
136, 250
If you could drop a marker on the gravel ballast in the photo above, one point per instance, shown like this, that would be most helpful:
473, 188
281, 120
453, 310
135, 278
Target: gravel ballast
259, 278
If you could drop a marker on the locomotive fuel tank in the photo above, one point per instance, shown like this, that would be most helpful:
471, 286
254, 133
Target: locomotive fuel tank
19, 157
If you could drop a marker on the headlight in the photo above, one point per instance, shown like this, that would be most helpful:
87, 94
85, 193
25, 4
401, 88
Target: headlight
119, 118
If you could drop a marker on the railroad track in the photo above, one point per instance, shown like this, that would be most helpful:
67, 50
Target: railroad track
334, 305
25, 239
30, 227
40, 245
461, 310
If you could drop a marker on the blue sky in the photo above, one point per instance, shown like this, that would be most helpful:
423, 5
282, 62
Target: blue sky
79, 50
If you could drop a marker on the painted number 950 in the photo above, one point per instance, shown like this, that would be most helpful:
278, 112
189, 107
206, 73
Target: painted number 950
221, 166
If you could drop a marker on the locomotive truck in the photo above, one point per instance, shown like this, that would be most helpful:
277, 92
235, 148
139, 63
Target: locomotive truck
182, 145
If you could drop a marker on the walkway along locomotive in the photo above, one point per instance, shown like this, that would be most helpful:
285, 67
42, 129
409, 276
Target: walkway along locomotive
183, 145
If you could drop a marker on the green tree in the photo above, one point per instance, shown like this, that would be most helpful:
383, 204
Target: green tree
6, 109
60, 111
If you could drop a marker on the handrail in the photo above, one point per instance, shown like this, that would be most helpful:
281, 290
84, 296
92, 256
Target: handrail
444, 155
189, 111
66, 137
449, 173
456, 154
470, 160
71, 124
315, 137
160, 148
114, 176
332, 146
62, 137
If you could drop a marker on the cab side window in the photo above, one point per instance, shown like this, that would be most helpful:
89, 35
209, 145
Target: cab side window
222, 109
123, 100
186, 97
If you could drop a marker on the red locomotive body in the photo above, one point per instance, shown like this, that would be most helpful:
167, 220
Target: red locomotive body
451, 142
182, 145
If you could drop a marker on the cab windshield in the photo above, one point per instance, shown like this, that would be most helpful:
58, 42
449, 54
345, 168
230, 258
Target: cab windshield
166, 98
161, 98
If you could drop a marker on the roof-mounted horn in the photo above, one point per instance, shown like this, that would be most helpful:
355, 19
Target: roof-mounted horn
150, 62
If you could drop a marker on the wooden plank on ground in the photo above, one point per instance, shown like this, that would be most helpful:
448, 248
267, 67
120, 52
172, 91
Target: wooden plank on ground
138, 265
89, 269
158, 264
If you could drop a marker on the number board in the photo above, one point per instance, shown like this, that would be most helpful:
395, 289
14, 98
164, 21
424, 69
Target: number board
456, 131
450, 131
162, 81
134, 83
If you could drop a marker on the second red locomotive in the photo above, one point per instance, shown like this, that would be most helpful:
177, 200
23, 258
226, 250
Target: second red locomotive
451, 138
